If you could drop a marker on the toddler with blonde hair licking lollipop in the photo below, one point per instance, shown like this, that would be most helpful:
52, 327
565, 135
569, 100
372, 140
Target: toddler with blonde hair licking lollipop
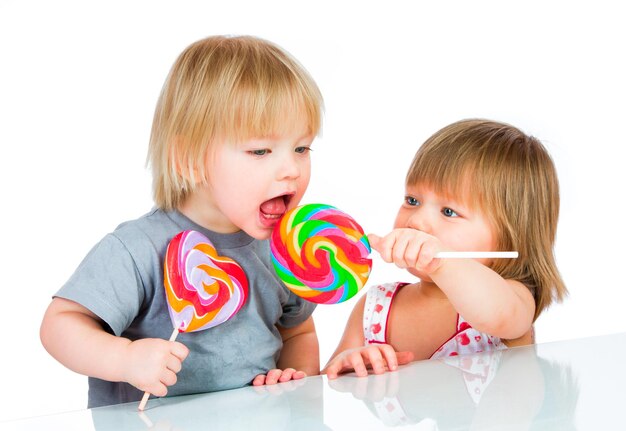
229, 154
475, 185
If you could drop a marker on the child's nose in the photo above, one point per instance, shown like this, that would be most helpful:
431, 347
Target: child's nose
289, 168
420, 220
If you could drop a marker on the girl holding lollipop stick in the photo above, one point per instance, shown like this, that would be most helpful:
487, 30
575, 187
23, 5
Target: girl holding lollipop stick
475, 185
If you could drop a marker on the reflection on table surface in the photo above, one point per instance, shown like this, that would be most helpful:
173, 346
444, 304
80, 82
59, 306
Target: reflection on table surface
575, 384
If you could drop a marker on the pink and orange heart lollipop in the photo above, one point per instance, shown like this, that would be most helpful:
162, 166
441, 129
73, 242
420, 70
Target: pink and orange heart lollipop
203, 289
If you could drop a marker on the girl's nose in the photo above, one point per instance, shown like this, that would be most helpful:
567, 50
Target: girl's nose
420, 220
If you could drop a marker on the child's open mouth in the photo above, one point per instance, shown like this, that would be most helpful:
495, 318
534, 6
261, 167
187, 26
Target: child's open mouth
272, 210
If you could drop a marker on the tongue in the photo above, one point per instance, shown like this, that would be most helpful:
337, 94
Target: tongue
274, 206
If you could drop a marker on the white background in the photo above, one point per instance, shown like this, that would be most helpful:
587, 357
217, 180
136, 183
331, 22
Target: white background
79, 82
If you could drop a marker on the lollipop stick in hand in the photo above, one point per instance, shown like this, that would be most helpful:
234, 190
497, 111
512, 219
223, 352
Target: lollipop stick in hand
146, 395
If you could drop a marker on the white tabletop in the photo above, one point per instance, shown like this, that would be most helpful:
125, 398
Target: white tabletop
576, 384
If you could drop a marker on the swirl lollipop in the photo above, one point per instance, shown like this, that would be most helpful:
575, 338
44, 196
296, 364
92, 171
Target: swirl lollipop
202, 288
321, 253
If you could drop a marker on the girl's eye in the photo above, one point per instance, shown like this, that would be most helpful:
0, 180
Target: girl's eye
410, 200
258, 152
302, 150
449, 212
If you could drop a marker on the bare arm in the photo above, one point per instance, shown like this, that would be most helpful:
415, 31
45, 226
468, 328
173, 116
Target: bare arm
300, 348
504, 308
353, 333
352, 354
299, 357
75, 337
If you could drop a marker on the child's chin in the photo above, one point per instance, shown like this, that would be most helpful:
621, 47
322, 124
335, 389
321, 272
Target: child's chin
259, 233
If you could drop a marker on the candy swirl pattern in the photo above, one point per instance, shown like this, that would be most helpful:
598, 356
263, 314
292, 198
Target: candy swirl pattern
202, 288
321, 253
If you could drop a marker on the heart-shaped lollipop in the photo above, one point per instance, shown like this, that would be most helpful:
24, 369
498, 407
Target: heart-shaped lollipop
203, 289
321, 253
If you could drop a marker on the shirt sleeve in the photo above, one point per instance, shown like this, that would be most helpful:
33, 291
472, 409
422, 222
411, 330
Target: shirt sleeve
108, 283
295, 311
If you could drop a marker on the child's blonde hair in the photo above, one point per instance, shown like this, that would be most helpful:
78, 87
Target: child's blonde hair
224, 89
511, 178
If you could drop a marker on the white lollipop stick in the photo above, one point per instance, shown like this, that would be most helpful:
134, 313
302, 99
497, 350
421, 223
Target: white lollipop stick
146, 395
477, 254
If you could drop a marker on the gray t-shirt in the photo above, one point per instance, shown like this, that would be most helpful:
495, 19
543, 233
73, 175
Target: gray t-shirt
121, 281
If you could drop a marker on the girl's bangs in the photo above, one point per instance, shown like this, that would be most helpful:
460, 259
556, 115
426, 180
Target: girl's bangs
449, 176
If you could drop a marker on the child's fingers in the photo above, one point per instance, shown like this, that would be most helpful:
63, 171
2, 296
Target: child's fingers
298, 375
380, 245
404, 357
286, 375
399, 250
259, 380
427, 261
392, 358
384, 246
168, 378
174, 364
158, 389
333, 369
374, 240
427, 254
400, 247
375, 358
273, 376
179, 350
355, 360
291, 374
389, 355
346, 361
412, 253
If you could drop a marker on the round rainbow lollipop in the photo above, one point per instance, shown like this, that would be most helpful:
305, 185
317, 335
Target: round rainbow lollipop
202, 288
321, 253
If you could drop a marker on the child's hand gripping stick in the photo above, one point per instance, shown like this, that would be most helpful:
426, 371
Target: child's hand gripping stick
321, 253
202, 288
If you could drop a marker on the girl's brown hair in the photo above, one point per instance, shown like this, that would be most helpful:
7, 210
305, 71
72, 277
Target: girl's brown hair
511, 178
224, 90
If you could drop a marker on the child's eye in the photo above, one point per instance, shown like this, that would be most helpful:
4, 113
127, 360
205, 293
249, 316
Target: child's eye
410, 200
449, 212
258, 152
302, 150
